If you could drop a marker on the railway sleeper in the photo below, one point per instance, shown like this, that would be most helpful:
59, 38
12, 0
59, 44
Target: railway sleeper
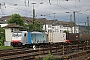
4, 54
76, 54
18, 57
46, 52
28, 56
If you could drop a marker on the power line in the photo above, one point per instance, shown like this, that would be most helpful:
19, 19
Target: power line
68, 8
49, 2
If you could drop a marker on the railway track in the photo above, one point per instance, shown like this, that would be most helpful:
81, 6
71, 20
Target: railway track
65, 51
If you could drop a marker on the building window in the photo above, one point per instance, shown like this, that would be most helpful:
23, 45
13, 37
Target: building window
49, 26
60, 31
52, 27
11, 30
49, 30
60, 26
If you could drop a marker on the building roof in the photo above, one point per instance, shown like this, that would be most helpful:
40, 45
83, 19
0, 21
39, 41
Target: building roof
4, 20
12, 26
2, 25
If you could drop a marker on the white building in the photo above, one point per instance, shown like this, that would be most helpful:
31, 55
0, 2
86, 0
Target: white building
60, 28
2, 25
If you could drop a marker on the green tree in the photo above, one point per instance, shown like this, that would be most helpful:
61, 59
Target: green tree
36, 27
2, 36
65, 31
16, 19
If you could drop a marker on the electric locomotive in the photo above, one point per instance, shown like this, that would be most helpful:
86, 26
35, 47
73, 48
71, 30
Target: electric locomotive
28, 38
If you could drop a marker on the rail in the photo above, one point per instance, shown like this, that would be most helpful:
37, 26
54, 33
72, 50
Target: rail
55, 49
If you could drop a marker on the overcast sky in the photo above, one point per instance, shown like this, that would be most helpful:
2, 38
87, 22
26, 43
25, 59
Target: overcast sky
59, 7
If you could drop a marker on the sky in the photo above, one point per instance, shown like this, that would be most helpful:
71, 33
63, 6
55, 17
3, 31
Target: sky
49, 9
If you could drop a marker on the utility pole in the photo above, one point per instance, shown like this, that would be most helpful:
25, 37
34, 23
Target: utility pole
71, 23
74, 22
45, 25
88, 24
0, 5
44, 22
33, 16
54, 19
85, 25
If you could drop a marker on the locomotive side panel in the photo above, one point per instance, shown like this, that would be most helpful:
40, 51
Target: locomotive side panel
29, 38
38, 37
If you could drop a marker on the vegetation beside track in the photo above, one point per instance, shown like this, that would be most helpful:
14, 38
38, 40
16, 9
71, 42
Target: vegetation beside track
5, 47
49, 57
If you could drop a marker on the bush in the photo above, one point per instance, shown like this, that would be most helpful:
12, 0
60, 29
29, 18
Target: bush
5, 47
49, 57
1, 43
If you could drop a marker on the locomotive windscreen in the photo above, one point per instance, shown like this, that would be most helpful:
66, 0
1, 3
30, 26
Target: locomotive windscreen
16, 36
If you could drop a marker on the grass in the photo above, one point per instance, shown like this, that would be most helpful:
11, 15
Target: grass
5, 47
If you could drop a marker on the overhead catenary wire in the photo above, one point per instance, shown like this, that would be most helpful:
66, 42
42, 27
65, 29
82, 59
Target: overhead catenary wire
68, 8
54, 4
58, 5
19, 9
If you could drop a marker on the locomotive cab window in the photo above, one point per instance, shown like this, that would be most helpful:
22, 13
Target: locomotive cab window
19, 34
25, 34
16, 34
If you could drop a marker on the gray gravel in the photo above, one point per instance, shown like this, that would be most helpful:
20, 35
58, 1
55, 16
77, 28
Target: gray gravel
83, 57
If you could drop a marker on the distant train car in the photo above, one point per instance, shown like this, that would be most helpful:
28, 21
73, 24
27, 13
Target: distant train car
72, 37
55, 37
84, 37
